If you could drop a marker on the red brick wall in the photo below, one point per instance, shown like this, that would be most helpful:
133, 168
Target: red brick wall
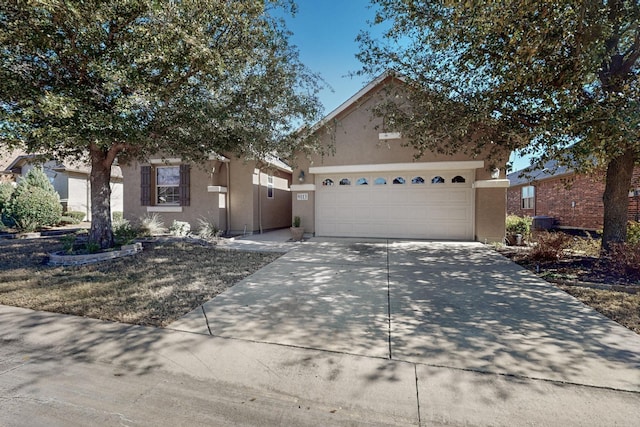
573, 200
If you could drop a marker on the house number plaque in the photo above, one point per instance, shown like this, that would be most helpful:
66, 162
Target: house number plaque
302, 196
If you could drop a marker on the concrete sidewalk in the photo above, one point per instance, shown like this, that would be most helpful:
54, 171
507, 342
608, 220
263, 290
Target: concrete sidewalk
58, 370
269, 241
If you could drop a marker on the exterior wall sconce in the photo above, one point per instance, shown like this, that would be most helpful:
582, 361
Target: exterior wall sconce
495, 173
301, 176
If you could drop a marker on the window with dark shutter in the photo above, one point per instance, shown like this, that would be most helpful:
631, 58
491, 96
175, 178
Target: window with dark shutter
185, 195
145, 185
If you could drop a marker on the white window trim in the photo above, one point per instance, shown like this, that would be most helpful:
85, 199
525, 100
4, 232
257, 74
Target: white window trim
398, 167
157, 203
164, 208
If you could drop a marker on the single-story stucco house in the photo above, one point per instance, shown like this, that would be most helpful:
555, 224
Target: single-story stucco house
366, 187
370, 185
240, 197
71, 180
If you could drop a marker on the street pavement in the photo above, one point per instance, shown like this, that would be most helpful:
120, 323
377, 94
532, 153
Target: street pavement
336, 332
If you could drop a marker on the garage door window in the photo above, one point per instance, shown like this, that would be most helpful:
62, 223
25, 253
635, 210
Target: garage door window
398, 180
417, 180
327, 182
458, 179
380, 181
437, 180
362, 181
345, 181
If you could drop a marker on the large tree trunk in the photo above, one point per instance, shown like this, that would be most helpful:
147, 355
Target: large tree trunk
101, 231
616, 199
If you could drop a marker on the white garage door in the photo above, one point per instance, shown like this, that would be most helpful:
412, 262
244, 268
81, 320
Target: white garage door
426, 205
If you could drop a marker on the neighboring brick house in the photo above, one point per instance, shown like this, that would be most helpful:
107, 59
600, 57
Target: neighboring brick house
573, 200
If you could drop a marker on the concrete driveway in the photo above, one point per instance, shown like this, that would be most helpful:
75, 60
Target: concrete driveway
435, 304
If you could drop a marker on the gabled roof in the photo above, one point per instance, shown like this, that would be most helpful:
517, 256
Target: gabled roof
551, 169
20, 159
355, 98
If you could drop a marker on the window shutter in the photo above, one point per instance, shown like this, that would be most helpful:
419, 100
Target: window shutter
145, 185
185, 196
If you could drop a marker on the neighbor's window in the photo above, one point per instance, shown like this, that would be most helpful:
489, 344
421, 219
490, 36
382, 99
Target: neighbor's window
528, 196
270, 187
168, 185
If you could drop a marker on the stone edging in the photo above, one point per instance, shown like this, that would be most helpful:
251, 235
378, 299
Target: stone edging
59, 258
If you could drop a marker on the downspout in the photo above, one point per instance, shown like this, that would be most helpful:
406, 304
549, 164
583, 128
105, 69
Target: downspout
228, 198
88, 195
260, 199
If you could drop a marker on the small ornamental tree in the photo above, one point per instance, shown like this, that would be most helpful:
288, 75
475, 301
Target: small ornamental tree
100, 80
34, 203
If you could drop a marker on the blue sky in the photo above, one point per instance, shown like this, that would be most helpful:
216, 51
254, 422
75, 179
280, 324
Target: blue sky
324, 32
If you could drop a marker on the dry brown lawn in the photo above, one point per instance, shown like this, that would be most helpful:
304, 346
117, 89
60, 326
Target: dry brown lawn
154, 287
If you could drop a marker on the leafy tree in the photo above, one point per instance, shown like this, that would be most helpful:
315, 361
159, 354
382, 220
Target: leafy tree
98, 80
556, 79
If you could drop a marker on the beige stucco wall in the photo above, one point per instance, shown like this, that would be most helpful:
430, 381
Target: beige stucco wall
250, 209
355, 141
204, 204
491, 205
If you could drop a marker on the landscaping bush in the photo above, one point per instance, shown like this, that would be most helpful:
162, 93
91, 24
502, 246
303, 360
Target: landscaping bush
625, 258
550, 246
207, 229
117, 216
76, 215
587, 246
633, 233
180, 228
34, 208
151, 225
34, 203
6, 190
123, 232
518, 225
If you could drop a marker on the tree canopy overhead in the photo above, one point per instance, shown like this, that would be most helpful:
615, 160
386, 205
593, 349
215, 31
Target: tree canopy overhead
123, 79
556, 79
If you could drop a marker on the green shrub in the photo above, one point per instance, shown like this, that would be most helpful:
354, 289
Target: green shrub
117, 216
77, 216
550, 246
518, 225
123, 232
633, 233
32, 208
180, 228
6, 190
34, 203
66, 220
